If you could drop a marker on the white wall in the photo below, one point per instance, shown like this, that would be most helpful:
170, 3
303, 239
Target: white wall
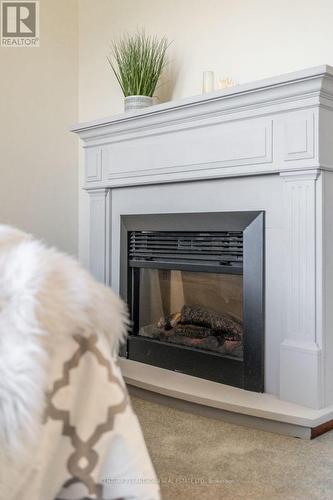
38, 155
242, 39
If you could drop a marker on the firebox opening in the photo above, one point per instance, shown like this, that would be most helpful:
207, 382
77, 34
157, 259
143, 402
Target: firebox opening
194, 309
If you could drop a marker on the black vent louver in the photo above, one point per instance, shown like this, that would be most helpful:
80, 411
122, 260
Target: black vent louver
213, 248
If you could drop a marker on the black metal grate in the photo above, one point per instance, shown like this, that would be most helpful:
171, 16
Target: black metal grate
212, 247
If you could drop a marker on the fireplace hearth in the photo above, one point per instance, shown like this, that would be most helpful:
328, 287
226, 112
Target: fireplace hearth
196, 294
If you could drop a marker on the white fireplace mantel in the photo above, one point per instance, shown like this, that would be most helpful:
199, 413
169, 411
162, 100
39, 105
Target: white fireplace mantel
259, 128
266, 146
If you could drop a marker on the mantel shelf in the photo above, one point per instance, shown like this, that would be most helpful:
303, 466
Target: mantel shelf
265, 127
274, 83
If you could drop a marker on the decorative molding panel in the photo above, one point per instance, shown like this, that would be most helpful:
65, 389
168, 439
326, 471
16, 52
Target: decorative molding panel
300, 191
299, 132
93, 164
204, 148
98, 233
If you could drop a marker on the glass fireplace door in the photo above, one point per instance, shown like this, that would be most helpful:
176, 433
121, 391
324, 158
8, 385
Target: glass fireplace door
201, 310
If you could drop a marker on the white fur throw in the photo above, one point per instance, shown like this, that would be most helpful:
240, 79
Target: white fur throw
46, 301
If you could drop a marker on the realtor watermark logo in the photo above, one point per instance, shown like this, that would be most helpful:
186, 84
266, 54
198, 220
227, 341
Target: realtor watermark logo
20, 23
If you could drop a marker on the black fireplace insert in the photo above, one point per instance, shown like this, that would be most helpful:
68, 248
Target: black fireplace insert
194, 284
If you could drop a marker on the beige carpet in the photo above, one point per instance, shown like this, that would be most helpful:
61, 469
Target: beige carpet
201, 458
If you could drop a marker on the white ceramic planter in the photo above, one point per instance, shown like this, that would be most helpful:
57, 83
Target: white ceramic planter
133, 102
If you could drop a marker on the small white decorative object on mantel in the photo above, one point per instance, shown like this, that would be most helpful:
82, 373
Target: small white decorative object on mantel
226, 83
208, 82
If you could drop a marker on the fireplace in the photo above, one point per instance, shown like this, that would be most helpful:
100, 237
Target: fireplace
257, 158
194, 285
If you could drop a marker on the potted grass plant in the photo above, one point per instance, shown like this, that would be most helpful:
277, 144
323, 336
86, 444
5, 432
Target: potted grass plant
137, 62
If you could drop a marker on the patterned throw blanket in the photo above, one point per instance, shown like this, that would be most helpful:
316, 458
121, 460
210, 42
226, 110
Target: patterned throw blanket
103, 453
85, 440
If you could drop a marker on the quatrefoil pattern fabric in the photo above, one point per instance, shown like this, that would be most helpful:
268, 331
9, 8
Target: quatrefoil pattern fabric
97, 435
91, 445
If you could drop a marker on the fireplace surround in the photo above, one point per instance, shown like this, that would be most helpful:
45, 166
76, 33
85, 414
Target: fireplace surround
205, 272
265, 148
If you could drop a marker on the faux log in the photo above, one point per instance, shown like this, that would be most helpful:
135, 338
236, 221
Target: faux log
222, 324
193, 331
